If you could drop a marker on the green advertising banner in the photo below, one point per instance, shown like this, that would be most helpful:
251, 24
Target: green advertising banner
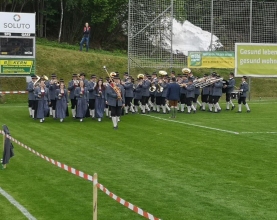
211, 59
17, 67
256, 60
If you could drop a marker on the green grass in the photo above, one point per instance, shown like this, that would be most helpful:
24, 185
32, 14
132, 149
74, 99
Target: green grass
173, 170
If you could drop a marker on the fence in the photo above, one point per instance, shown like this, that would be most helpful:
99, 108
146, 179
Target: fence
155, 28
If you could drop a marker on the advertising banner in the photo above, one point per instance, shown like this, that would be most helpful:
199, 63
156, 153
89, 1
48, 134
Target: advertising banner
12, 22
211, 59
17, 67
256, 60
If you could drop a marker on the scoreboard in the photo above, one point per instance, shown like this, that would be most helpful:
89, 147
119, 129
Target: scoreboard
17, 44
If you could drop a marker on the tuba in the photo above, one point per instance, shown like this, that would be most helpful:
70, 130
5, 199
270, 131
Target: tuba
186, 71
43, 77
112, 83
162, 72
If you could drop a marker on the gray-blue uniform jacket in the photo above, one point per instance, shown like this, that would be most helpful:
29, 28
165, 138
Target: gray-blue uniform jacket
244, 87
145, 88
38, 93
217, 91
65, 94
91, 90
165, 86
30, 89
129, 90
52, 91
71, 88
81, 96
206, 90
111, 96
137, 92
231, 85
184, 89
190, 91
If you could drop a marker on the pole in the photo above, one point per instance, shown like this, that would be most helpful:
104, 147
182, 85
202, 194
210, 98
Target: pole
250, 21
171, 35
95, 182
129, 36
212, 25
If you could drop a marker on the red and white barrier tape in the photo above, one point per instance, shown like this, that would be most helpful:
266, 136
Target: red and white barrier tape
127, 204
87, 177
57, 163
13, 92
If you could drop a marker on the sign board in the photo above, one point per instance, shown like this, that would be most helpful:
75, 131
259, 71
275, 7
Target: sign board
211, 59
17, 67
12, 22
17, 43
256, 60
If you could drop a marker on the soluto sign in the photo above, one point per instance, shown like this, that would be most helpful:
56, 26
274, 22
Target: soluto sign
17, 22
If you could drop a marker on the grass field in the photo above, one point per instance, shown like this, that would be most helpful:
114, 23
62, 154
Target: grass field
193, 167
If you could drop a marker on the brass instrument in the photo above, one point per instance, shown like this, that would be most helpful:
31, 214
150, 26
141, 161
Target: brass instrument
140, 76
162, 72
159, 87
39, 79
153, 87
186, 70
112, 83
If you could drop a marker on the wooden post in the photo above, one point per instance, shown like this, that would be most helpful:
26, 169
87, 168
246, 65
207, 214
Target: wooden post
95, 182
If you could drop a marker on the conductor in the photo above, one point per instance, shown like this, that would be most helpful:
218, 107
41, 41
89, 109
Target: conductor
86, 34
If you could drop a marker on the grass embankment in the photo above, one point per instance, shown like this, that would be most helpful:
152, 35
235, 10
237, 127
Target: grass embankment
64, 59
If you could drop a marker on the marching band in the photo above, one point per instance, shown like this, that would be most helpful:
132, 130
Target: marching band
114, 97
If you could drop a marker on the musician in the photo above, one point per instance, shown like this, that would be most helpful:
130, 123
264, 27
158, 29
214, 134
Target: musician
159, 94
129, 94
43, 101
125, 76
31, 96
137, 93
91, 95
211, 88
52, 93
205, 94
115, 99
145, 93
173, 95
82, 77
82, 100
196, 95
190, 95
62, 101
183, 92
242, 98
152, 101
229, 89
191, 76
72, 85
217, 93
107, 107
99, 99
86, 35
164, 84
172, 74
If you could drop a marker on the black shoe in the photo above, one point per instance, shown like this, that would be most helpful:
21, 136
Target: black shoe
248, 111
227, 109
233, 107
188, 112
182, 111
115, 128
238, 111
194, 112
200, 108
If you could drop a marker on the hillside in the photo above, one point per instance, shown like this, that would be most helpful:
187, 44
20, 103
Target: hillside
52, 58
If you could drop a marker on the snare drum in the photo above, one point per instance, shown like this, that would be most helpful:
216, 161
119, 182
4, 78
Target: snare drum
235, 94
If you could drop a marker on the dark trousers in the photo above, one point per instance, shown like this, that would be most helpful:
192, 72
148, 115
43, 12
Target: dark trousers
152, 97
228, 97
242, 100
128, 101
215, 99
136, 102
183, 98
91, 104
163, 101
144, 100
53, 104
195, 98
189, 101
73, 103
158, 100
204, 98
116, 111
211, 98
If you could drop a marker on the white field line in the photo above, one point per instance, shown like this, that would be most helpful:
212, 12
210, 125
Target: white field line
17, 205
190, 124
258, 132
